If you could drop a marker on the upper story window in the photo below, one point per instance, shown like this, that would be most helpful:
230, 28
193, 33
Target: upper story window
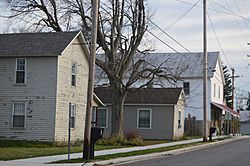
186, 87
72, 109
144, 118
20, 70
18, 115
214, 90
73, 74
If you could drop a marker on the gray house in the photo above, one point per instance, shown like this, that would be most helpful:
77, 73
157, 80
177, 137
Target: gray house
43, 76
153, 113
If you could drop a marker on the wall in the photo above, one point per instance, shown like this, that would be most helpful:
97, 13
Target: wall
162, 122
178, 132
69, 94
39, 93
216, 84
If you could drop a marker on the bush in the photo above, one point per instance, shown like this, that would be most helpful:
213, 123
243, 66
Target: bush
131, 139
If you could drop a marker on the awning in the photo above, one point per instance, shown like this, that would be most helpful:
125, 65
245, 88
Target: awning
226, 108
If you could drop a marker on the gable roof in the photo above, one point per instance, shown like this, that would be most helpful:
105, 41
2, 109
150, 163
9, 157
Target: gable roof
188, 65
35, 44
143, 96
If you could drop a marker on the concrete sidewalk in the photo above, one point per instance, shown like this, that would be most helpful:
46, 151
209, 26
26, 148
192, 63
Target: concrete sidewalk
38, 161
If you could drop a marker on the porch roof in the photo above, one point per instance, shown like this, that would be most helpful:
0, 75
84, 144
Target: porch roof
226, 108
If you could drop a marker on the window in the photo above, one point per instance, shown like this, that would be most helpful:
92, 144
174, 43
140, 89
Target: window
20, 70
72, 115
186, 87
218, 91
144, 118
18, 115
101, 117
73, 74
179, 119
214, 90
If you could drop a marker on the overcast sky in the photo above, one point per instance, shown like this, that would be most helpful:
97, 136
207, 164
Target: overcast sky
231, 21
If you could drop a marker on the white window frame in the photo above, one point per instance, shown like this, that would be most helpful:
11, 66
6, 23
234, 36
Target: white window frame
25, 108
25, 73
74, 115
96, 115
150, 120
73, 73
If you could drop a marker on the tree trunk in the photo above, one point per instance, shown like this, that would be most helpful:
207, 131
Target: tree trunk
118, 98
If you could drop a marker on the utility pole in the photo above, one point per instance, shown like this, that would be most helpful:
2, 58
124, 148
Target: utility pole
233, 79
205, 96
86, 145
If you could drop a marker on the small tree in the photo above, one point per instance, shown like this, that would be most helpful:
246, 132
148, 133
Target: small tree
227, 87
248, 102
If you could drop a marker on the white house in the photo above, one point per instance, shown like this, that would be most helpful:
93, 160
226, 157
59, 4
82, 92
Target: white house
43, 77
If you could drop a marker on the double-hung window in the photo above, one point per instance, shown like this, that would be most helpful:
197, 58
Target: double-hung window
144, 118
73, 74
20, 70
72, 113
18, 119
101, 117
186, 87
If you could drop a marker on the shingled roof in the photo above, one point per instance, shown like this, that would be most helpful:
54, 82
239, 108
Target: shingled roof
35, 44
143, 96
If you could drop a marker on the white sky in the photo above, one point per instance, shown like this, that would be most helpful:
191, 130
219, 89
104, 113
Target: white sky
231, 21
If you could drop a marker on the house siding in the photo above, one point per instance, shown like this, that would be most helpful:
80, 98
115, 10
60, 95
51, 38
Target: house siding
161, 122
40, 102
69, 94
178, 132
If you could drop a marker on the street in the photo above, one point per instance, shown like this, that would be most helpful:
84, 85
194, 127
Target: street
229, 154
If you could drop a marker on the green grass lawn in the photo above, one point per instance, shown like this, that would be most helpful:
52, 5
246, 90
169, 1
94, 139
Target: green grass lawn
10, 150
134, 153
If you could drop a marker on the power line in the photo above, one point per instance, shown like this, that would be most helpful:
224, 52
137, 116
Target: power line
218, 40
169, 35
182, 16
163, 42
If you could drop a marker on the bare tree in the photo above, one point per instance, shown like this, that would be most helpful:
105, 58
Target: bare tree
122, 25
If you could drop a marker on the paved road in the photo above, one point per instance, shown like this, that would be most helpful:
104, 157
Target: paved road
229, 154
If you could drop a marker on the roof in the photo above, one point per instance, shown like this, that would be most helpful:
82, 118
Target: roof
143, 96
35, 44
226, 108
186, 64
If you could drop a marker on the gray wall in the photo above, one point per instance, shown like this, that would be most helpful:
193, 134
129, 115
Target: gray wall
161, 125
245, 128
162, 122
38, 93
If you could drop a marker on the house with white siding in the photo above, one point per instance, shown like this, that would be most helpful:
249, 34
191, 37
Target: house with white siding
43, 77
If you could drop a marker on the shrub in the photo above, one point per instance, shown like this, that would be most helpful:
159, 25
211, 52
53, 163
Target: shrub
131, 139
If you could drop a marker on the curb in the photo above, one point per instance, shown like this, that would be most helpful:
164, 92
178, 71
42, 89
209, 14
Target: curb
161, 154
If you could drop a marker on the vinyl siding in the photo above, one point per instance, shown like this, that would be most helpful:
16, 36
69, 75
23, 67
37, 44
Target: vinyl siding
38, 93
69, 94
161, 122
178, 132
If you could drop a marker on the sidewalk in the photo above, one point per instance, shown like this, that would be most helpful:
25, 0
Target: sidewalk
38, 161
